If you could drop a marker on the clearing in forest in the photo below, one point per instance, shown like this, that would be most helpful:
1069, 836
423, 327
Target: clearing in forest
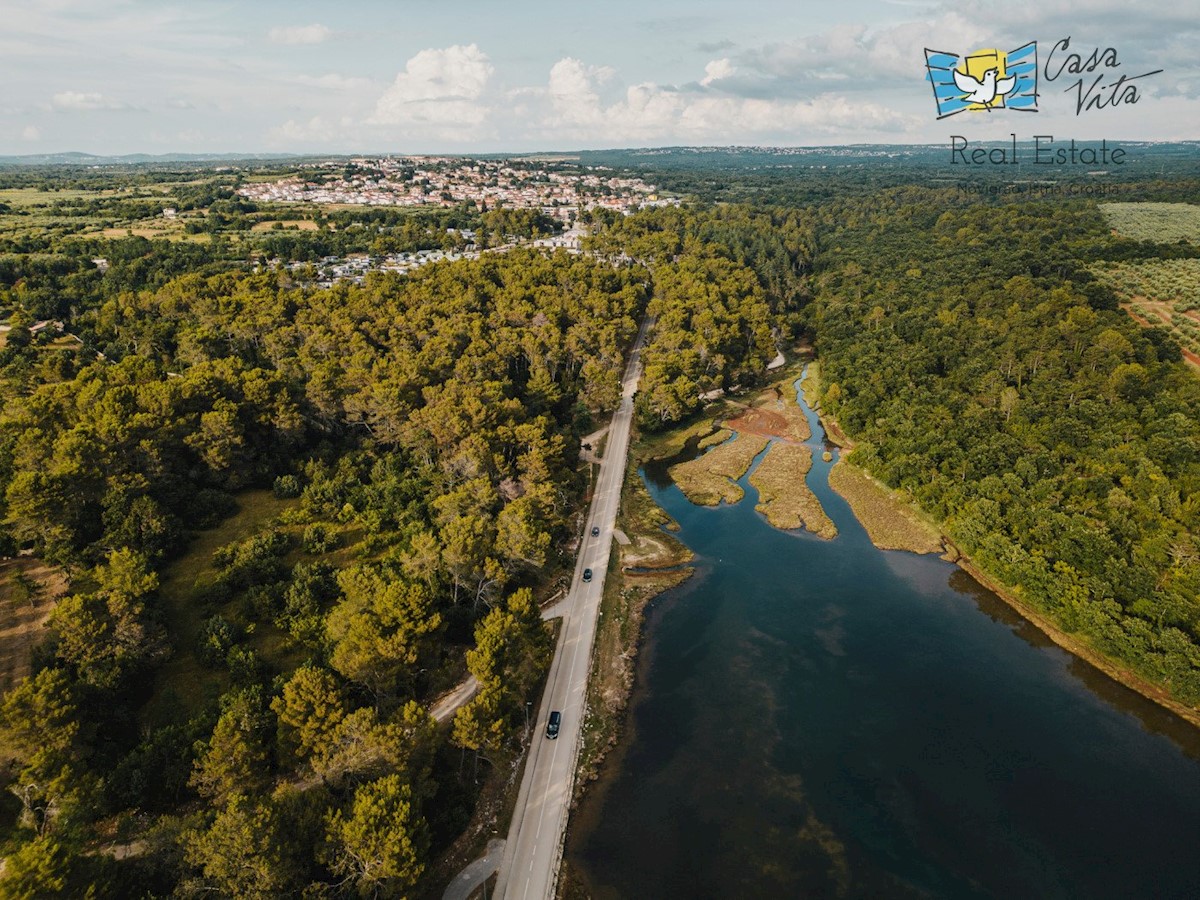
1160, 292
1162, 222
28, 591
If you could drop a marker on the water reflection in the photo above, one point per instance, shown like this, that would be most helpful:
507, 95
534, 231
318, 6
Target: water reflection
819, 718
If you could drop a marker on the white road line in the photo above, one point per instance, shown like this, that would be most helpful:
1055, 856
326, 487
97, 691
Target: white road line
542, 815
566, 688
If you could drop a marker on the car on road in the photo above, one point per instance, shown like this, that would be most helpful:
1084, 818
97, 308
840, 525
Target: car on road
587, 574
552, 725
595, 531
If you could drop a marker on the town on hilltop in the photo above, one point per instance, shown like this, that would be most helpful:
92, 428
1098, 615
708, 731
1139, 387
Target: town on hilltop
558, 191
448, 181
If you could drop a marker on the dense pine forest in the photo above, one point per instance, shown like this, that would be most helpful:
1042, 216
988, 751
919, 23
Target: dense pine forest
984, 370
393, 468
263, 729
429, 423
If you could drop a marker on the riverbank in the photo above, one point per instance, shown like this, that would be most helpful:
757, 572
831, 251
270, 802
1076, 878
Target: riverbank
895, 523
1079, 648
724, 665
891, 522
651, 562
777, 636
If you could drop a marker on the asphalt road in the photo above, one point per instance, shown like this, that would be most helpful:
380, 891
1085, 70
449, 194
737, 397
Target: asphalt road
535, 837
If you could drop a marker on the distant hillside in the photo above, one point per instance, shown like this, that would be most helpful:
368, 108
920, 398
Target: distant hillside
74, 158
865, 155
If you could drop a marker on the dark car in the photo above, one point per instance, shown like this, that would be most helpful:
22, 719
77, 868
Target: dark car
552, 724
595, 531
587, 574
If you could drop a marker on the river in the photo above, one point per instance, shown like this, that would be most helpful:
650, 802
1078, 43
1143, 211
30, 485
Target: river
821, 718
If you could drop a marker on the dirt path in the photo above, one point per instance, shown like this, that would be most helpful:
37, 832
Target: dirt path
448, 704
28, 591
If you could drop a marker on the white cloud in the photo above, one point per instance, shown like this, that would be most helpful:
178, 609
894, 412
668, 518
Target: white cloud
299, 34
716, 70
656, 113
74, 101
573, 90
439, 90
807, 81
825, 115
30, 133
860, 56
854, 54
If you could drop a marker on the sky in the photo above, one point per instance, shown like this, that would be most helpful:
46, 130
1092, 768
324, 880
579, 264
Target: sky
412, 76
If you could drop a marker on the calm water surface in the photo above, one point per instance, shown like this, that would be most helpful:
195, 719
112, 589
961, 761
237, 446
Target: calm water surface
821, 718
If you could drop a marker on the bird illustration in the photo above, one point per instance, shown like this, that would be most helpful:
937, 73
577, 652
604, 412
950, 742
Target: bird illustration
984, 92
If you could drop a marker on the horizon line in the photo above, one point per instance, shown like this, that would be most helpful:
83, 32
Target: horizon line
280, 154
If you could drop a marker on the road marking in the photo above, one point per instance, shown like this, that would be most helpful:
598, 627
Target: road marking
580, 621
542, 814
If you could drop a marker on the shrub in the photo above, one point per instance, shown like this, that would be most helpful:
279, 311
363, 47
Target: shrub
287, 486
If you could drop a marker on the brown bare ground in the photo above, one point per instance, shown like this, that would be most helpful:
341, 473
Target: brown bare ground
1164, 309
651, 551
297, 224
22, 621
784, 497
1189, 356
764, 422
775, 413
